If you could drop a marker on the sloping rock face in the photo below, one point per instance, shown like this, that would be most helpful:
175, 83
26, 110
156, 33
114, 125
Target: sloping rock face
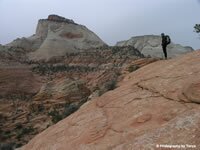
63, 36
150, 45
17, 88
59, 92
17, 81
29, 44
155, 105
12, 56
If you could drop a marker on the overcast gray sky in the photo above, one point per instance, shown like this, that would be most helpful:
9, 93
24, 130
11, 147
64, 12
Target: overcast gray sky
111, 20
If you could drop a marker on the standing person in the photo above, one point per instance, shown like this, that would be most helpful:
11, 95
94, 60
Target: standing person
165, 41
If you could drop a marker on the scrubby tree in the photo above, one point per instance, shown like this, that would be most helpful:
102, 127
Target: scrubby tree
197, 28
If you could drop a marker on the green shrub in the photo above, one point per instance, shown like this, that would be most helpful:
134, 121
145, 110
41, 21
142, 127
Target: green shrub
27, 130
18, 126
197, 28
6, 134
44, 69
110, 85
55, 116
133, 68
24, 131
6, 146
68, 110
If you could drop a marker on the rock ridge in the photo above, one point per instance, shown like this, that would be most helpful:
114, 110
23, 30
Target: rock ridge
58, 19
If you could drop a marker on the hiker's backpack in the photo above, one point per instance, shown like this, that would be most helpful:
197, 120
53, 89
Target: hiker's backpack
168, 40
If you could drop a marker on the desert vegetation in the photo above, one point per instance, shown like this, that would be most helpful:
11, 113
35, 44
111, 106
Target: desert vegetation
58, 114
44, 69
197, 28
132, 68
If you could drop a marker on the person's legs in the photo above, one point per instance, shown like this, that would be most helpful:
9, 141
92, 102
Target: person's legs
165, 51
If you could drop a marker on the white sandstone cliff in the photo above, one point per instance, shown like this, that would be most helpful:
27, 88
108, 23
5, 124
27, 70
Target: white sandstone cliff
56, 36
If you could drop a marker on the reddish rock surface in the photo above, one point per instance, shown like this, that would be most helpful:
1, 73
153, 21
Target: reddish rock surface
157, 104
17, 81
18, 85
33, 96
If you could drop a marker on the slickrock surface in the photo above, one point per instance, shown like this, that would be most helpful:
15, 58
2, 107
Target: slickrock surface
150, 45
157, 104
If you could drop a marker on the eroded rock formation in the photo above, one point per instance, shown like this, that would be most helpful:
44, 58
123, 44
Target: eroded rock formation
152, 106
35, 95
56, 36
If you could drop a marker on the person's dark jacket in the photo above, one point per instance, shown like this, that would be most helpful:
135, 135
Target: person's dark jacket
166, 40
